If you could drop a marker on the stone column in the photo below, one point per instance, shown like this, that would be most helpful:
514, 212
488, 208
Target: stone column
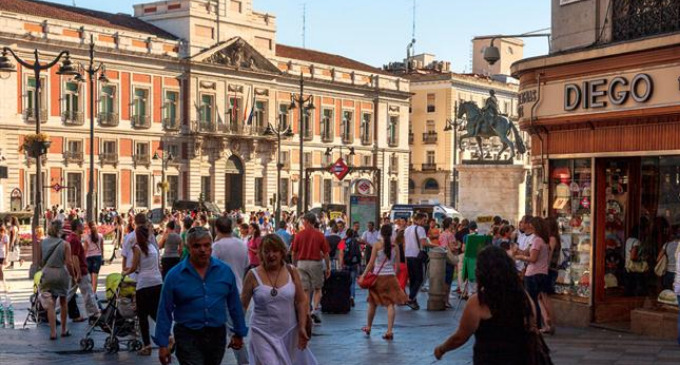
438, 295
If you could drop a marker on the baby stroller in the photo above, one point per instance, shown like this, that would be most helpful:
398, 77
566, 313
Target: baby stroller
36, 312
118, 319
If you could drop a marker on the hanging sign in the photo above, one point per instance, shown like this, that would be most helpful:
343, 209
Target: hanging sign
339, 169
364, 187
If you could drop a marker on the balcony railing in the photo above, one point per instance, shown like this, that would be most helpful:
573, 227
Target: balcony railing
429, 167
74, 118
141, 121
107, 119
430, 137
73, 157
347, 138
171, 124
29, 115
110, 158
308, 135
141, 159
636, 19
393, 142
327, 137
366, 139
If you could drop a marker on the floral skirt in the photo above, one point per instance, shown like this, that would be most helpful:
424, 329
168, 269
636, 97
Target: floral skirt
386, 291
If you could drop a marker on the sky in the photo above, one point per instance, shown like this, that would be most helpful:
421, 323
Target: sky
377, 32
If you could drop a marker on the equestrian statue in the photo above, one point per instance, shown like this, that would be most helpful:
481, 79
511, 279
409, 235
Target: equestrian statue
488, 122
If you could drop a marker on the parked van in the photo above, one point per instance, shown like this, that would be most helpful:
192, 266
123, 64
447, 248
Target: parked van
436, 211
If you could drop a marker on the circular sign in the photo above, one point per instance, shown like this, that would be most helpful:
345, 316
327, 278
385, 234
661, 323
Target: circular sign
364, 187
339, 169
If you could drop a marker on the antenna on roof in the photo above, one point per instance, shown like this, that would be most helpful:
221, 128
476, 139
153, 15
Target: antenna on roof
413, 33
304, 25
410, 49
74, 3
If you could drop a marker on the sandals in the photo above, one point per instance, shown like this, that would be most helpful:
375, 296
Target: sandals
66, 334
53, 338
388, 336
366, 330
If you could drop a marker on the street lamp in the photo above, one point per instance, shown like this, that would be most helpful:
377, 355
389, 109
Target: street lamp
452, 124
492, 54
66, 68
164, 165
306, 104
281, 131
92, 71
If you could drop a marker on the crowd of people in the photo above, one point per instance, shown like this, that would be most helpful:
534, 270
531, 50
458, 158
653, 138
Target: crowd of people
198, 273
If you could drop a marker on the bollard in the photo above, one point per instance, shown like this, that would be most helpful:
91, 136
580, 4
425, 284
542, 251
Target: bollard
436, 300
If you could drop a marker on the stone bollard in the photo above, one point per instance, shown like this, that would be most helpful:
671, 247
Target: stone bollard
436, 300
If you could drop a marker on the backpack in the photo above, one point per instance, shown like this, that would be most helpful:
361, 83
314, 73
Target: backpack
333, 242
352, 254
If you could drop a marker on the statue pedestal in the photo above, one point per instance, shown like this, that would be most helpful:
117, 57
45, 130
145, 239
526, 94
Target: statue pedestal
489, 190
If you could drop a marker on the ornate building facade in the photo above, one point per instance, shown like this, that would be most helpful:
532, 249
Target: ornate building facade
201, 81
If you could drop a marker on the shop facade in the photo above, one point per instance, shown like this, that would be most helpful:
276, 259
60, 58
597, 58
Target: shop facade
605, 149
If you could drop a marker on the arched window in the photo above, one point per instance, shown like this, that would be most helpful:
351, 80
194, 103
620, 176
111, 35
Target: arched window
430, 184
411, 184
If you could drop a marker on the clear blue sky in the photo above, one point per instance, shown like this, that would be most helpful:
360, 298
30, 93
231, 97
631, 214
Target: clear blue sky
377, 31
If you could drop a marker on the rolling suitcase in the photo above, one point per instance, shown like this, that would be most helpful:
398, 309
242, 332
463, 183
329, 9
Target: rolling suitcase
336, 293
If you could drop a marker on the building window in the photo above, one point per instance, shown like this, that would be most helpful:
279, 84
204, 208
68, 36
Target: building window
109, 147
308, 159
368, 161
430, 157
430, 127
74, 181
173, 149
109, 188
326, 160
431, 185
307, 124
430, 103
140, 116
260, 115
393, 191
141, 149
206, 188
346, 127
285, 191
327, 125
170, 110
71, 113
259, 191
394, 164
141, 191
327, 191
366, 128
74, 146
30, 109
393, 131
285, 160
173, 189
108, 107
31, 188
235, 106
207, 109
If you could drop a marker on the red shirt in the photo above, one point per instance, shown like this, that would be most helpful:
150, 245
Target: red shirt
78, 250
309, 245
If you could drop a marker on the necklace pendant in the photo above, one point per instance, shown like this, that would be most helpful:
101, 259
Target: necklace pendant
274, 292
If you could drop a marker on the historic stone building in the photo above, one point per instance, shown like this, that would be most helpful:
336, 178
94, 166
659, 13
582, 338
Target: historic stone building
200, 80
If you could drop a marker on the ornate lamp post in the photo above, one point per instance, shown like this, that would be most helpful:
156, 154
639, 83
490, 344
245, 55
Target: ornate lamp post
92, 72
281, 131
164, 165
66, 68
453, 125
306, 104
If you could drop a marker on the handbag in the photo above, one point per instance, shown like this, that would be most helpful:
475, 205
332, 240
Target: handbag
422, 255
15, 254
368, 280
662, 265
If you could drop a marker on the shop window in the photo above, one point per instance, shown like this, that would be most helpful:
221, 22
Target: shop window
571, 198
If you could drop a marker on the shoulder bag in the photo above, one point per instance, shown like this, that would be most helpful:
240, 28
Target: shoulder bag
369, 279
422, 255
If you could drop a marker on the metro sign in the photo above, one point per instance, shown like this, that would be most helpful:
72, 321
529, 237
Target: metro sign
339, 169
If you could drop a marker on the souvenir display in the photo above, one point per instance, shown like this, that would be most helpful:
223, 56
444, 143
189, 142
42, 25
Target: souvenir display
570, 187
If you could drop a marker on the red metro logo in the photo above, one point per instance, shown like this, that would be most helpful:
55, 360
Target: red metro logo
339, 169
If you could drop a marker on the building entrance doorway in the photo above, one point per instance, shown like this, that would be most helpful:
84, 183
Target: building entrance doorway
233, 184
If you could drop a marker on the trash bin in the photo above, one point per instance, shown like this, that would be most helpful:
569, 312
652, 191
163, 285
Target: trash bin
438, 294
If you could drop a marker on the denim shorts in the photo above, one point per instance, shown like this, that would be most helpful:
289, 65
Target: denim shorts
94, 263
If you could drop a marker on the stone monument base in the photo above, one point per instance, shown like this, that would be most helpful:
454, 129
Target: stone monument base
489, 190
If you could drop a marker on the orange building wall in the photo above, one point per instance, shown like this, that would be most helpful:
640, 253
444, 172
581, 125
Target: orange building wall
157, 98
55, 92
126, 186
57, 145
125, 148
55, 177
125, 95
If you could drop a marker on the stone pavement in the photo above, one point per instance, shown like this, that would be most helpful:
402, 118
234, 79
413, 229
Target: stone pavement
339, 341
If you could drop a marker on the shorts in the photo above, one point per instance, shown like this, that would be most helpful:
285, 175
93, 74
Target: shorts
536, 284
311, 274
94, 263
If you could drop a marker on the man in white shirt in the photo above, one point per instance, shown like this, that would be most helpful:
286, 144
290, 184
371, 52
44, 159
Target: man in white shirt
523, 241
415, 240
368, 238
233, 252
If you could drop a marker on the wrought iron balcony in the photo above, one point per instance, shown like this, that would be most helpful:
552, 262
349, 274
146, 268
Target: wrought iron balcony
141, 159
107, 119
141, 121
108, 158
327, 137
430, 137
366, 139
636, 19
29, 115
171, 124
73, 157
347, 138
73, 118
429, 167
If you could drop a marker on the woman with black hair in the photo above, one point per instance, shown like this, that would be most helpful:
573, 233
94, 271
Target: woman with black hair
386, 291
145, 262
255, 237
499, 315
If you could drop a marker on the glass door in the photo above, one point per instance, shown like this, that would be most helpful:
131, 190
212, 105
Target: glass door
617, 205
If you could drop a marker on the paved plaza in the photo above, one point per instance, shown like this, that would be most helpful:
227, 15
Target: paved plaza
338, 340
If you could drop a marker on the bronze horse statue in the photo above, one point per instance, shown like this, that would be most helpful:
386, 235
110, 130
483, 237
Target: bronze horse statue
500, 127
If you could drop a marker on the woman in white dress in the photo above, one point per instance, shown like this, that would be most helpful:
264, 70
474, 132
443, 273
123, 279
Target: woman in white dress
280, 311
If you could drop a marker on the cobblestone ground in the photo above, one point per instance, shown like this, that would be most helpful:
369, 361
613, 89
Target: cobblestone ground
338, 340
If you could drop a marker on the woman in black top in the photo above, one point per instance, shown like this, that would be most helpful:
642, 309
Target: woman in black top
499, 315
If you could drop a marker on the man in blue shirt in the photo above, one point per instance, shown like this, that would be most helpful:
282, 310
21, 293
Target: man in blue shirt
283, 233
197, 294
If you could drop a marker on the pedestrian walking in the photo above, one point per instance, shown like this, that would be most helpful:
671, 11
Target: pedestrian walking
198, 294
499, 315
254, 239
309, 252
119, 233
4, 248
447, 240
280, 309
230, 250
82, 278
402, 273
145, 262
349, 256
415, 245
94, 252
14, 249
57, 271
171, 244
283, 233
385, 292
368, 239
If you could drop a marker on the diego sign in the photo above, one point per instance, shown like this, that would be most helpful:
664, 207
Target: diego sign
597, 93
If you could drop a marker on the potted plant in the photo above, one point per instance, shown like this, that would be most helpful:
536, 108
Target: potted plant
35, 144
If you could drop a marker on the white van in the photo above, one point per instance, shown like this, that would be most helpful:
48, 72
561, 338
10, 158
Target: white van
436, 211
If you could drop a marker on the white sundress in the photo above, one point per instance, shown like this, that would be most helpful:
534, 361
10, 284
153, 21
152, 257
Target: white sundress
274, 329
